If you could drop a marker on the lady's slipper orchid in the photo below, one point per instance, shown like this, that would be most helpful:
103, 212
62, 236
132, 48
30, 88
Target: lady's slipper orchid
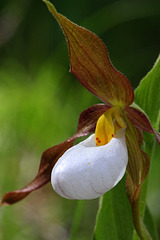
95, 165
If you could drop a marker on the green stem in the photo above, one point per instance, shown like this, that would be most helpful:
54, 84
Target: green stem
77, 219
138, 221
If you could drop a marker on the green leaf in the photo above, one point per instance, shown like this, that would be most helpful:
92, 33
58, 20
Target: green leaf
147, 95
114, 220
148, 98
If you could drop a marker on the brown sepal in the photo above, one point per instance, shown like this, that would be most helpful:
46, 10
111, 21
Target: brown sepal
91, 65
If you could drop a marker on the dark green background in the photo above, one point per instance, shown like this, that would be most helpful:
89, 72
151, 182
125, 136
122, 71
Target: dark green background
40, 101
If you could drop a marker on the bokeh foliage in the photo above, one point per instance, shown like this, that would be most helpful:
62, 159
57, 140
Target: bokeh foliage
40, 101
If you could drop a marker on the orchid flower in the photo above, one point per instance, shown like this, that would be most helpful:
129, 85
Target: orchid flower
95, 165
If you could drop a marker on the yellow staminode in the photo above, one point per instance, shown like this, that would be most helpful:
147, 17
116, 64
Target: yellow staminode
107, 125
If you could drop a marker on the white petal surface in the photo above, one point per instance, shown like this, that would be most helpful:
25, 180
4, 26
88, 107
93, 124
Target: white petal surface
86, 171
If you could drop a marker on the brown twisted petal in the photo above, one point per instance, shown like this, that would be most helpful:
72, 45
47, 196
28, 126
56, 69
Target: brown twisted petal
86, 125
139, 120
138, 162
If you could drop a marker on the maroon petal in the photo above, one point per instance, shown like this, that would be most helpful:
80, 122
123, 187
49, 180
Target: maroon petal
86, 125
89, 117
140, 120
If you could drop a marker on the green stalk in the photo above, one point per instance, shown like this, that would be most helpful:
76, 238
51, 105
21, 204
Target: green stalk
138, 221
77, 219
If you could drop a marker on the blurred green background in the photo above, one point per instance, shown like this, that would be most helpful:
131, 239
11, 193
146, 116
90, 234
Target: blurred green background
40, 102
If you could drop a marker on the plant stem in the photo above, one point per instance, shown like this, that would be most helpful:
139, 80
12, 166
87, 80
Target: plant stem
77, 219
138, 221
